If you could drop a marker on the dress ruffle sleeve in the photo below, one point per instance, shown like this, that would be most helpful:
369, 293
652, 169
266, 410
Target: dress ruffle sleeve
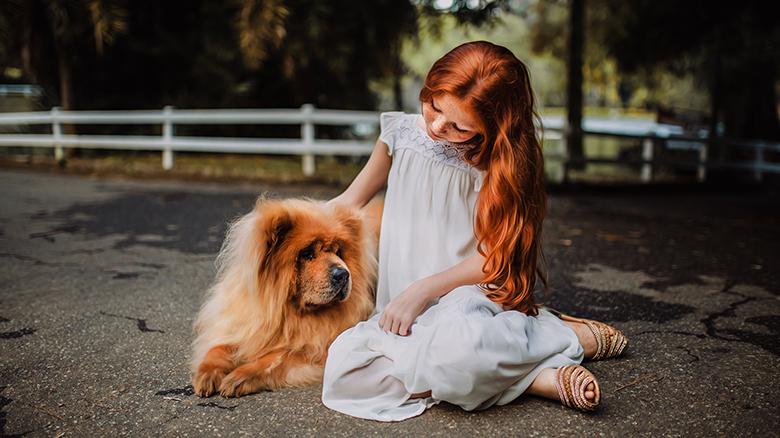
389, 124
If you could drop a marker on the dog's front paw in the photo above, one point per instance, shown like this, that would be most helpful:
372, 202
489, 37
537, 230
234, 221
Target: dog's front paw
239, 383
207, 382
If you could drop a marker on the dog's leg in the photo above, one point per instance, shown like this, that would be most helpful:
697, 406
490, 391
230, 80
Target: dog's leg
267, 373
215, 366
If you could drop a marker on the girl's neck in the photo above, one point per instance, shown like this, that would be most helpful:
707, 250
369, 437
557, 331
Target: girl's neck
420, 121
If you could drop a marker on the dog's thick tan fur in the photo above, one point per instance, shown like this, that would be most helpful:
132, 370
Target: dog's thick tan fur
281, 296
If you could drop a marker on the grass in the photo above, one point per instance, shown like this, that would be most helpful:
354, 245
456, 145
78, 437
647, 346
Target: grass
229, 168
336, 172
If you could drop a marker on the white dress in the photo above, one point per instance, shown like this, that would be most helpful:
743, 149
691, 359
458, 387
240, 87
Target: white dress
464, 348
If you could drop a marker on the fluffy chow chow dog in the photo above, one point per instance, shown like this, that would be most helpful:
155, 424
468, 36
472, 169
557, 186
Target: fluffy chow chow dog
292, 275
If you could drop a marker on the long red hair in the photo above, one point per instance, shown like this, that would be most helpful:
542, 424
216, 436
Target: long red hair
494, 88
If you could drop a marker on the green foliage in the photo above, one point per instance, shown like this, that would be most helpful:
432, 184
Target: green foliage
206, 53
691, 55
329, 47
733, 48
508, 30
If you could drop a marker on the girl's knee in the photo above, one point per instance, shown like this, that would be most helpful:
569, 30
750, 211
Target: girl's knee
369, 381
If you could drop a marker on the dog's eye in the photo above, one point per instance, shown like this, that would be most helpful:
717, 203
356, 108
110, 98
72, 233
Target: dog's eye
306, 254
338, 254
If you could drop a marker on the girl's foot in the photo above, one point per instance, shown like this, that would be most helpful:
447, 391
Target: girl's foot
572, 385
599, 340
425, 394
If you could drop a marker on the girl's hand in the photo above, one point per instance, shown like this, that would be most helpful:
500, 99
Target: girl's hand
399, 314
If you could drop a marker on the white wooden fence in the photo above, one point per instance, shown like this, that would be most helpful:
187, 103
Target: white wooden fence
650, 133
307, 146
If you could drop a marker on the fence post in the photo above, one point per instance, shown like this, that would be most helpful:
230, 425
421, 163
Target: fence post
701, 175
307, 134
759, 175
167, 154
56, 130
647, 157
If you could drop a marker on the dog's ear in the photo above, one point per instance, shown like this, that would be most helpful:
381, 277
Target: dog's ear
350, 219
279, 226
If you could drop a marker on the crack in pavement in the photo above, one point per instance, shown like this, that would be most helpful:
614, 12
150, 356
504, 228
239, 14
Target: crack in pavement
141, 322
32, 259
187, 390
215, 405
709, 320
18, 333
770, 343
688, 350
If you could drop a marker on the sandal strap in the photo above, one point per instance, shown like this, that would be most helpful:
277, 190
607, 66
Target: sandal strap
571, 382
607, 346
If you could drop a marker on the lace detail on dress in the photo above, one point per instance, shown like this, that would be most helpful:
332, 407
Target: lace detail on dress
410, 136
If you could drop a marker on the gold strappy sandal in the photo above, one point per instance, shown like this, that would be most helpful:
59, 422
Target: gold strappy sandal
608, 346
571, 381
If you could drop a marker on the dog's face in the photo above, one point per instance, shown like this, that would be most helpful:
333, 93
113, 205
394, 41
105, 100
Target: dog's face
316, 246
323, 276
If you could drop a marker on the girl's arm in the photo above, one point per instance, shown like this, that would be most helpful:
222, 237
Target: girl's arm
369, 180
399, 313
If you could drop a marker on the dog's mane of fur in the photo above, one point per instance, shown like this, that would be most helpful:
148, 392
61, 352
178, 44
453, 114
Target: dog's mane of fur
250, 308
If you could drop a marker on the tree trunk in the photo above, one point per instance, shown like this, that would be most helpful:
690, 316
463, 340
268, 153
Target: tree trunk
66, 90
26, 50
715, 97
397, 74
574, 87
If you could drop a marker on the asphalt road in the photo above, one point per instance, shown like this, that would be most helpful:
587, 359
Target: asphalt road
100, 281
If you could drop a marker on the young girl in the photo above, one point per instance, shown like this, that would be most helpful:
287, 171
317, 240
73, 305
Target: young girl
456, 316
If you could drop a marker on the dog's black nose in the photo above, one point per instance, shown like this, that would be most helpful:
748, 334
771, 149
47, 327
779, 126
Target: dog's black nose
339, 277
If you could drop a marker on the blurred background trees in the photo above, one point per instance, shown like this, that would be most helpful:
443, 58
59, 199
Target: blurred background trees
706, 56
729, 51
44, 37
205, 53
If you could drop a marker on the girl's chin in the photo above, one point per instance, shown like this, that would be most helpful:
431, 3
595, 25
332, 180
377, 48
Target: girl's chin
434, 136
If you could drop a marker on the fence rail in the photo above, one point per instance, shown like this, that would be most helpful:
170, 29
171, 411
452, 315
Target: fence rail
307, 146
